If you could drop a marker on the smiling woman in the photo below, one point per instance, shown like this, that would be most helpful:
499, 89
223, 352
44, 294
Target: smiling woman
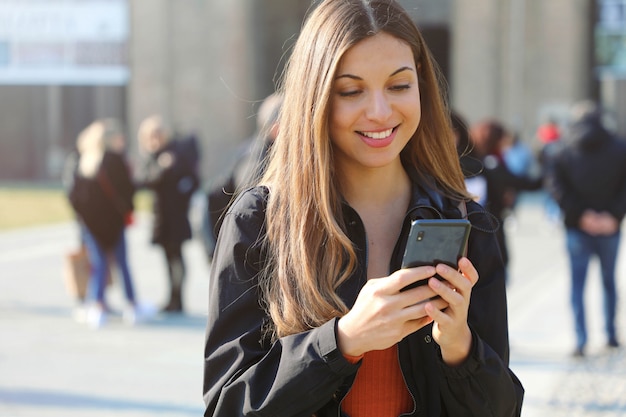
307, 313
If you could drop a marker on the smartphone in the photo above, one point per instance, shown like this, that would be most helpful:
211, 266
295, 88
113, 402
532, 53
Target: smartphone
435, 241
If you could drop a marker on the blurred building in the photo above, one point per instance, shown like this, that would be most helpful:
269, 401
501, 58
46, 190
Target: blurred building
206, 64
62, 63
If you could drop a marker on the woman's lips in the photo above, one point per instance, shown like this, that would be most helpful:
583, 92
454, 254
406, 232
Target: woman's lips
378, 139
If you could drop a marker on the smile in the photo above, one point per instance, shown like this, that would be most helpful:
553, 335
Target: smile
378, 135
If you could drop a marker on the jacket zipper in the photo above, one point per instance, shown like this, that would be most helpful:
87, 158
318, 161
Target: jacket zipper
407, 216
414, 410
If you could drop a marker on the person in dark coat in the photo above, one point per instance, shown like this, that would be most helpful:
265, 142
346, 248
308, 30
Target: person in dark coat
500, 185
173, 179
306, 312
248, 166
101, 193
587, 178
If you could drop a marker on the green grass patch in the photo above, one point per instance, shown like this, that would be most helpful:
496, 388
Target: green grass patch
34, 206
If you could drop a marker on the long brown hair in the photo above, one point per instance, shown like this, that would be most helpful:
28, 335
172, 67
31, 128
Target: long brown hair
310, 255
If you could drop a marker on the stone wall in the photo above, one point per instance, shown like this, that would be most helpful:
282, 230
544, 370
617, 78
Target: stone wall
206, 65
520, 60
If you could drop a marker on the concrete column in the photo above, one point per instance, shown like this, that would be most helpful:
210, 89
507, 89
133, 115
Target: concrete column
520, 60
192, 62
613, 99
558, 67
476, 58
55, 153
148, 90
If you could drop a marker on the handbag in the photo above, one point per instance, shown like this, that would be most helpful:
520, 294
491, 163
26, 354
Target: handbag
76, 271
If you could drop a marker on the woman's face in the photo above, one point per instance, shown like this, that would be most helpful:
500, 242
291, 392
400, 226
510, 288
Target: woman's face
375, 103
152, 141
118, 143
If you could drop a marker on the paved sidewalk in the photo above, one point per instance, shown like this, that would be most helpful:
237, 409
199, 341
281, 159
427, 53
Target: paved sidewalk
541, 328
51, 366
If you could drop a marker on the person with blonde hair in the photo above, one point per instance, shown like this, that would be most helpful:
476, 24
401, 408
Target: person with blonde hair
102, 197
173, 180
308, 308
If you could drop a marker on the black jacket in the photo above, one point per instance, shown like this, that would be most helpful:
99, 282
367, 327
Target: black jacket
499, 179
589, 172
305, 374
103, 202
173, 188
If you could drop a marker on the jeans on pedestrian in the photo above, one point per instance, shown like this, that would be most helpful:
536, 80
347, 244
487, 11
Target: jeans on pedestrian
99, 260
552, 210
581, 247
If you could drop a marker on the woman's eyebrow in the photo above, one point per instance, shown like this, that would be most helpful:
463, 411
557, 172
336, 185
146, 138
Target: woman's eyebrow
351, 76
356, 77
399, 70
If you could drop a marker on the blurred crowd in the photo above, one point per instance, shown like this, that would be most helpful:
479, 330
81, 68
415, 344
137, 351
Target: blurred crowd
101, 182
579, 167
497, 161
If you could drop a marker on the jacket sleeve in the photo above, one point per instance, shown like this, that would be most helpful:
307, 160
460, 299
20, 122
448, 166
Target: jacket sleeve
560, 187
149, 174
617, 206
119, 174
484, 386
517, 182
244, 372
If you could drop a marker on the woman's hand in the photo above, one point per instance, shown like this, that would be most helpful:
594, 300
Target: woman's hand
450, 329
166, 160
383, 315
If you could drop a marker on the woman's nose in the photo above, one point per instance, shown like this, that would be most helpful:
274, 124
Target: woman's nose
378, 107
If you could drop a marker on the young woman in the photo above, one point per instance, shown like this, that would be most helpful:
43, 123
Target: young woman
173, 179
102, 196
306, 313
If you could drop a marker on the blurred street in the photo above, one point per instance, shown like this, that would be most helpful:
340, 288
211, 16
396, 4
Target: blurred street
541, 328
52, 366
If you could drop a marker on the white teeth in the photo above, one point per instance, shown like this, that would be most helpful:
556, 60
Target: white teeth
378, 135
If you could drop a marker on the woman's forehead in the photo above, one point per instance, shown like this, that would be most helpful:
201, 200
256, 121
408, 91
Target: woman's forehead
379, 52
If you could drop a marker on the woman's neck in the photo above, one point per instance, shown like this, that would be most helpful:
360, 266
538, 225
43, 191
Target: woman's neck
380, 197
377, 187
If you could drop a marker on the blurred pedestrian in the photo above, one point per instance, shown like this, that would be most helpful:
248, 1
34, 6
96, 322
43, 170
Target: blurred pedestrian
101, 194
76, 267
549, 134
307, 312
548, 131
170, 171
489, 138
249, 166
475, 179
588, 180
518, 156
521, 161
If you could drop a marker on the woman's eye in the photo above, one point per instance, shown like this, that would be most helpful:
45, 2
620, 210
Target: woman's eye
350, 93
400, 87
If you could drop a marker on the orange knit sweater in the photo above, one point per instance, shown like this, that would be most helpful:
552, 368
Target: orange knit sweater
379, 389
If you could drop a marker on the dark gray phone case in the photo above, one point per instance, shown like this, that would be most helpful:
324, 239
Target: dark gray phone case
436, 241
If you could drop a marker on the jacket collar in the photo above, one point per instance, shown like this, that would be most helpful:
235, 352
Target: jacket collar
427, 201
